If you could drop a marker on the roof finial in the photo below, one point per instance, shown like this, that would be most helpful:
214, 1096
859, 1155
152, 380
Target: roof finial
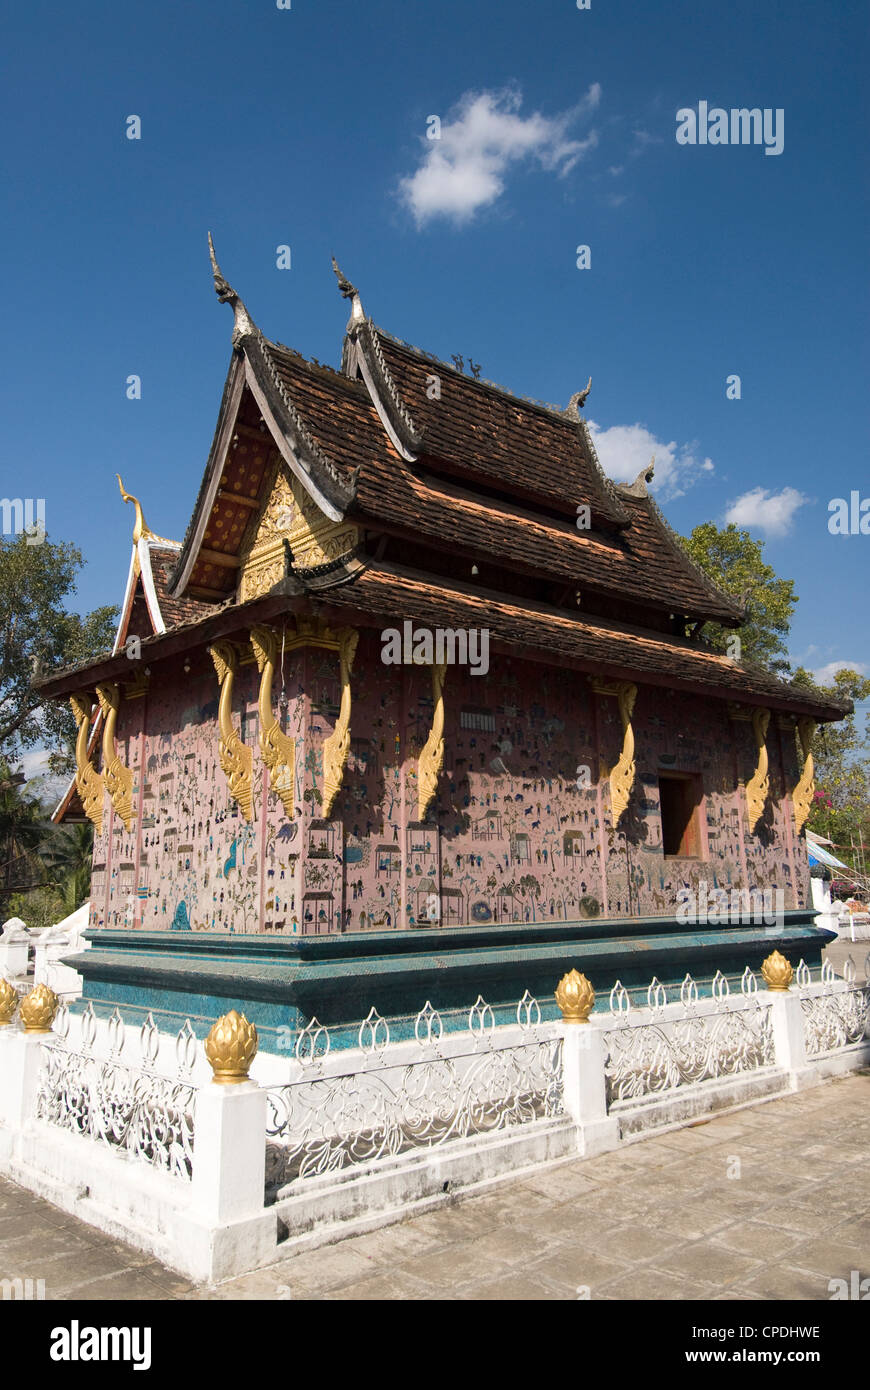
638, 487
578, 400
244, 324
350, 292
141, 527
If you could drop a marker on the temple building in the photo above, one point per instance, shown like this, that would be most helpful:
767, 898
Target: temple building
420, 705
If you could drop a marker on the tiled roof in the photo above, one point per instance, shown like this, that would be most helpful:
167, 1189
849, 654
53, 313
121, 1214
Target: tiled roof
174, 611
595, 643
642, 562
483, 433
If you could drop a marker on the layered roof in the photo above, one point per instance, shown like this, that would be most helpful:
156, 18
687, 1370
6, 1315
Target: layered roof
383, 594
431, 477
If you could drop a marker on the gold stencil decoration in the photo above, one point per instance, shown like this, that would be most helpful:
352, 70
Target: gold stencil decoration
292, 515
758, 786
802, 796
89, 783
575, 997
431, 758
279, 751
337, 746
117, 777
777, 972
622, 776
236, 758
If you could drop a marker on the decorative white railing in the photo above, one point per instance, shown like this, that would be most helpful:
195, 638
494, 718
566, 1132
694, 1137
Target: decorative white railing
666, 1045
836, 1012
135, 1110
385, 1099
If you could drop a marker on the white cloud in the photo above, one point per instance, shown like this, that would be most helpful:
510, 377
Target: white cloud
625, 449
771, 512
465, 170
34, 763
825, 674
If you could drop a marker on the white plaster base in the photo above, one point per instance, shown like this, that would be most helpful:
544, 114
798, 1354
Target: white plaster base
126, 1199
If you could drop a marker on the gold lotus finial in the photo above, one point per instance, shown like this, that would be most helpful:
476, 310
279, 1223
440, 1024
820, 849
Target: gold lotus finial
575, 997
8, 1003
231, 1047
776, 972
38, 1009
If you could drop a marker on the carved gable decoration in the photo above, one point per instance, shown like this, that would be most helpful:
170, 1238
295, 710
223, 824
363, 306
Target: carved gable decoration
292, 515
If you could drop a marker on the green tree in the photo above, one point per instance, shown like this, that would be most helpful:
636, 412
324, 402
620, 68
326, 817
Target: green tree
22, 829
67, 855
37, 635
735, 562
841, 758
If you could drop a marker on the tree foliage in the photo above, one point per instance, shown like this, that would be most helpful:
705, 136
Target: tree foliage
841, 755
735, 562
38, 634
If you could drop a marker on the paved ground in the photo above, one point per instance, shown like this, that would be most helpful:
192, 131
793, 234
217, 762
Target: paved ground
661, 1219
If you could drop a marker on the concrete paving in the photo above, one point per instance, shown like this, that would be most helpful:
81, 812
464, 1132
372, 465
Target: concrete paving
769, 1202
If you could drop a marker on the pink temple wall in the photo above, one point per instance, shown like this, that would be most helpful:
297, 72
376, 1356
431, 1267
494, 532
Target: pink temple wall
516, 838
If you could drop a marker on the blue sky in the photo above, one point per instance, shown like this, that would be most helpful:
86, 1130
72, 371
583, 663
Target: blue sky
307, 127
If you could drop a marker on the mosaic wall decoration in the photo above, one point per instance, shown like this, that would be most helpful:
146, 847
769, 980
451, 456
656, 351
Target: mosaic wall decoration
515, 833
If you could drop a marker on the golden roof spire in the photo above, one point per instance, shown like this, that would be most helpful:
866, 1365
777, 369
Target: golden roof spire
141, 528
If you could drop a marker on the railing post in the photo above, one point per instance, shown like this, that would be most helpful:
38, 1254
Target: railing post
584, 1092
21, 1052
786, 1017
229, 1145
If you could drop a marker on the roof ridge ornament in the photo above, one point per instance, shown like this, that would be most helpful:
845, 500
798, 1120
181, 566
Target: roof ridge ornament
243, 324
639, 487
141, 527
578, 400
350, 292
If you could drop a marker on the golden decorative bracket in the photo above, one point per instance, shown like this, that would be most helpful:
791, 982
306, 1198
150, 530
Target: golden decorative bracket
802, 796
623, 775
117, 777
431, 758
235, 757
337, 746
279, 751
88, 781
758, 786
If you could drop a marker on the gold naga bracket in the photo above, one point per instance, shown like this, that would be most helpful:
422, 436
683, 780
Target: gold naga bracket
236, 758
337, 746
89, 783
313, 632
758, 786
431, 758
279, 751
117, 777
802, 796
623, 774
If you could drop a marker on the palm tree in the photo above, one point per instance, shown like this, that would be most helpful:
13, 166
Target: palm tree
22, 829
67, 856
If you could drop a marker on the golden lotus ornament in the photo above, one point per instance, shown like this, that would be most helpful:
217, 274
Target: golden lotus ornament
38, 1009
8, 1003
231, 1047
575, 997
777, 972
